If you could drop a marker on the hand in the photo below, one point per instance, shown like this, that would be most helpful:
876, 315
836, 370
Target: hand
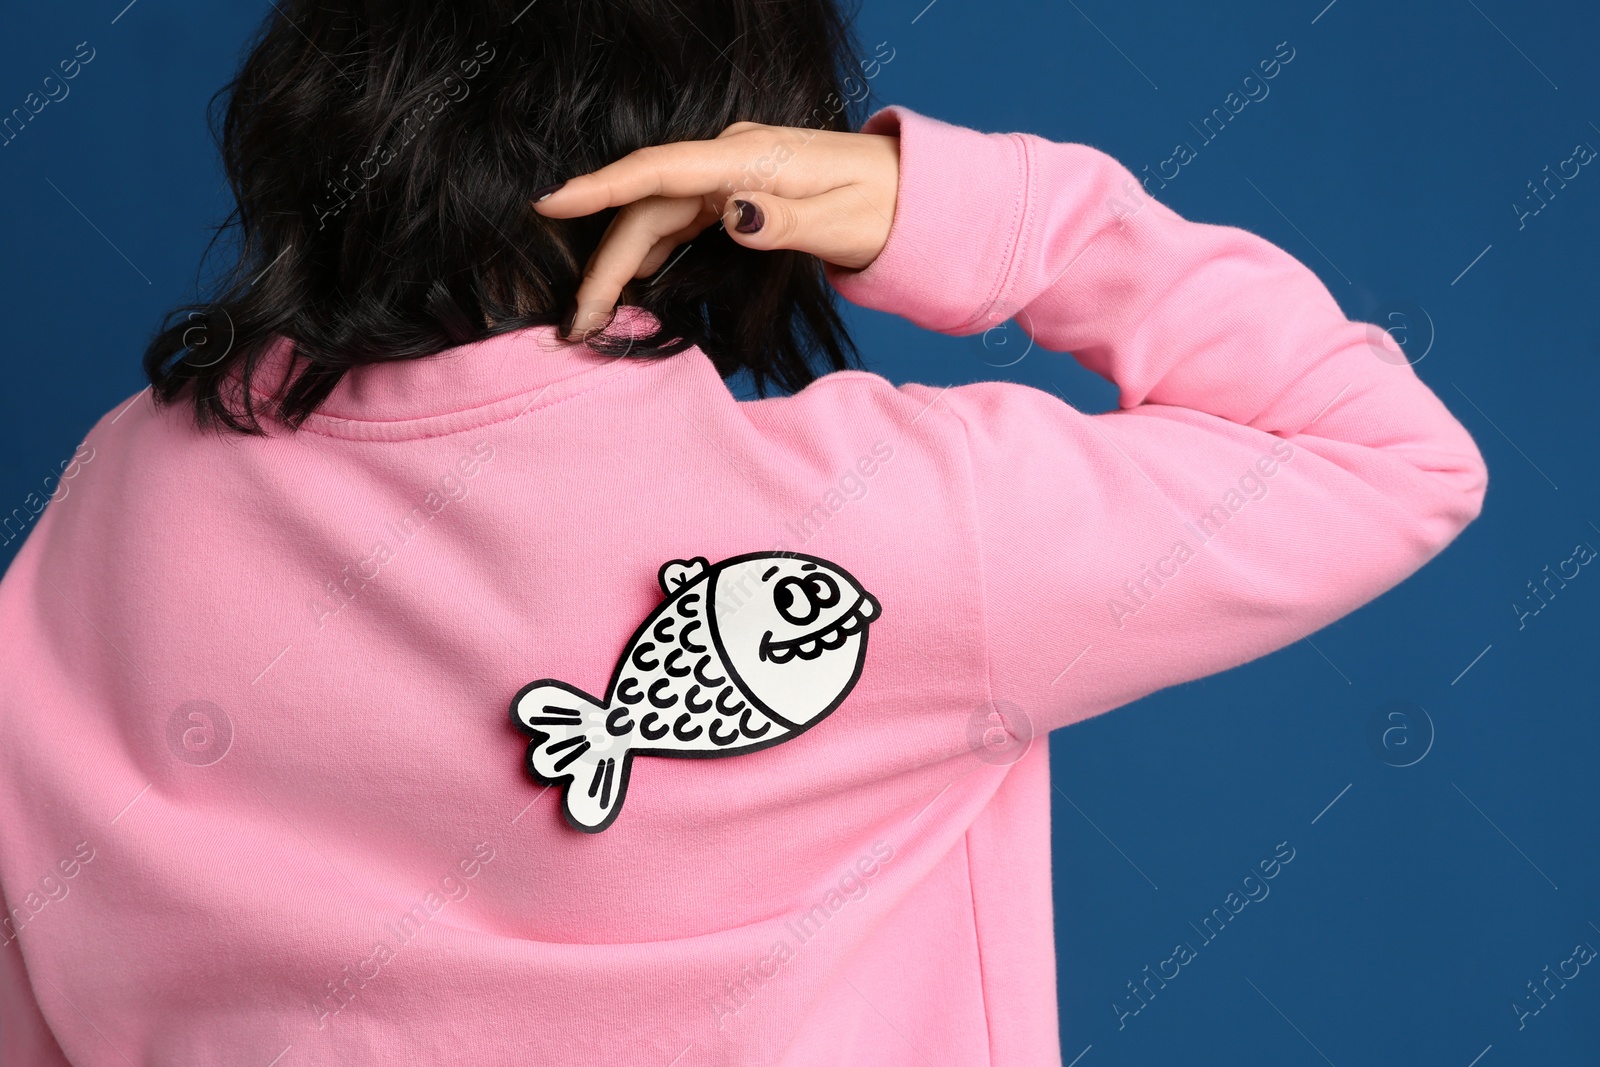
829, 194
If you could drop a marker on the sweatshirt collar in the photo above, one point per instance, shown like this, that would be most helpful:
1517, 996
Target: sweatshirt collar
449, 387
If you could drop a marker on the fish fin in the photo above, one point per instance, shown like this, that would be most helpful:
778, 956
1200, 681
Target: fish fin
572, 748
678, 573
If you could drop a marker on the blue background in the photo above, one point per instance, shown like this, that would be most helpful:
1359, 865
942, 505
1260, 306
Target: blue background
1392, 149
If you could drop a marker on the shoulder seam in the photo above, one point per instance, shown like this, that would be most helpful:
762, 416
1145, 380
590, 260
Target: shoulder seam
978, 551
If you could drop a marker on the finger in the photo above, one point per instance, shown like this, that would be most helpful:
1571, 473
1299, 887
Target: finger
841, 226
743, 127
777, 160
664, 248
623, 250
657, 258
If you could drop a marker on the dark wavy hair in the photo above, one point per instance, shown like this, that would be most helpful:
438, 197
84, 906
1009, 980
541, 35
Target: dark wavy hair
382, 154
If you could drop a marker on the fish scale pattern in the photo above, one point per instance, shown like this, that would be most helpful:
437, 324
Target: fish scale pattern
675, 690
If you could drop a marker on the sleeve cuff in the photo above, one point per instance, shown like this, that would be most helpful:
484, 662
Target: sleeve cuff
958, 219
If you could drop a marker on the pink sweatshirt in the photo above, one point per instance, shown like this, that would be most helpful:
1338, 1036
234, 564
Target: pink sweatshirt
261, 800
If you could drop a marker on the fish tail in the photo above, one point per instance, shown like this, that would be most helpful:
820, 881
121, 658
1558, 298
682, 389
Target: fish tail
572, 748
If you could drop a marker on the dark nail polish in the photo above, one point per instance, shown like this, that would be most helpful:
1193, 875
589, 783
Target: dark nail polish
750, 217
544, 191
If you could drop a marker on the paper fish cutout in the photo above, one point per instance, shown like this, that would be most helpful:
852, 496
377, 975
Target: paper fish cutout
741, 656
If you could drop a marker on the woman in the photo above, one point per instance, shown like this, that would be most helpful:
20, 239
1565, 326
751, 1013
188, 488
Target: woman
768, 791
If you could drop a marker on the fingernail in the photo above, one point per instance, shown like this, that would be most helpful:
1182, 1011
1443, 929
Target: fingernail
750, 217
591, 321
544, 191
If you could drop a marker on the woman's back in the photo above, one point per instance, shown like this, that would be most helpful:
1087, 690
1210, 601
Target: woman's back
263, 683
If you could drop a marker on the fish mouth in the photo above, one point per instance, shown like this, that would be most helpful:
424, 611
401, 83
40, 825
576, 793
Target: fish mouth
810, 646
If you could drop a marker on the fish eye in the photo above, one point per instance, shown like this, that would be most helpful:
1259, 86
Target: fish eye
823, 590
794, 601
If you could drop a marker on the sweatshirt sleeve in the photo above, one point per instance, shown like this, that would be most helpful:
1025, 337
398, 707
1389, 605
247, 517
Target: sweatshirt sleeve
1271, 467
